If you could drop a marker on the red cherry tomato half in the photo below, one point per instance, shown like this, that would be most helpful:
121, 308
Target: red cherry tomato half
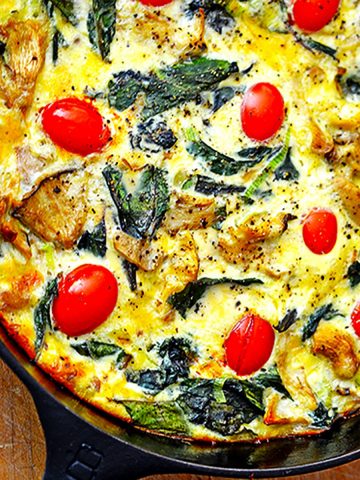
155, 3
75, 125
249, 344
320, 231
355, 319
87, 296
262, 111
313, 15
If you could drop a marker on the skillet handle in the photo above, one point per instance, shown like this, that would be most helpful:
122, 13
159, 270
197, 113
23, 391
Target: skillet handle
78, 451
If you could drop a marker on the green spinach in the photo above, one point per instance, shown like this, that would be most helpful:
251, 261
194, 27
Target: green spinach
42, 313
289, 319
101, 25
216, 15
95, 241
95, 350
187, 298
209, 186
321, 417
353, 274
130, 270
141, 212
326, 312
124, 88
66, 7
286, 170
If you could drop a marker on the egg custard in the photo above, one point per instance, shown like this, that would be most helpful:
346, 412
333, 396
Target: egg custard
180, 208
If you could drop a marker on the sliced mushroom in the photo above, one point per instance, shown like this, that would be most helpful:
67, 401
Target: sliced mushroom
18, 295
142, 253
190, 213
28, 164
236, 242
350, 197
337, 346
24, 56
11, 231
57, 210
322, 143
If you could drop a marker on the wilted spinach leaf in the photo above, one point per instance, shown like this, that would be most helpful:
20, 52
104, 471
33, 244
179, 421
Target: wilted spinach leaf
66, 7
216, 15
141, 212
177, 354
124, 88
152, 136
222, 96
130, 270
321, 417
271, 378
289, 319
286, 170
95, 349
314, 46
353, 274
326, 312
101, 25
164, 417
209, 186
350, 85
217, 162
42, 315
187, 298
95, 241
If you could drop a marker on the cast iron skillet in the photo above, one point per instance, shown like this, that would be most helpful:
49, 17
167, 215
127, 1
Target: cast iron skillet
83, 444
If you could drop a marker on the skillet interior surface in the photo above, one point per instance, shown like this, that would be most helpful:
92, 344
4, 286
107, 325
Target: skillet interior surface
156, 455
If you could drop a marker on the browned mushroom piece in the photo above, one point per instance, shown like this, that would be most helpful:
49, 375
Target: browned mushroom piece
24, 56
337, 346
350, 196
11, 231
190, 213
56, 211
322, 142
28, 164
18, 295
144, 254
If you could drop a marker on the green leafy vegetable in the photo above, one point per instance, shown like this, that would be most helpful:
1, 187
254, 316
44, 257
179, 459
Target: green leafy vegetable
101, 25
286, 170
42, 315
353, 274
217, 162
130, 270
169, 87
222, 96
95, 349
152, 136
187, 298
216, 15
312, 45
164, 417
58, 39
277, 157
326, 312
321, 417
66, 7
209, 186
141, 212
350, 85
271, 378
177, 354
95, 241
289, 319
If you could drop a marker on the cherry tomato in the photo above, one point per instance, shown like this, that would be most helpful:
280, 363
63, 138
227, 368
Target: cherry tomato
75, 125
313, 15
262, 111
86, 298
249, 344
155, 3
355, 319
320, 231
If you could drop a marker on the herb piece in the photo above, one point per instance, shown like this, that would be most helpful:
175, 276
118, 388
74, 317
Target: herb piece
141, 212
350, 85
177, 354
286, 170
221, 214
276, 158
312, 45
164, 417
66, 7
187, 298
353, 274
221, 96
217, 162
130, 270
289, 319
209, 186
95, 241
58, 41
216, 15
42, 315
184, 82
153, 136
321, 417
124, 88
271, 378
95, 349
2, 48
101, 25
326, 312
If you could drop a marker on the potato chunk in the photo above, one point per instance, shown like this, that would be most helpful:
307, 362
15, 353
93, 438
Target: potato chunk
57, 210
336, 345
350, 197
24, 56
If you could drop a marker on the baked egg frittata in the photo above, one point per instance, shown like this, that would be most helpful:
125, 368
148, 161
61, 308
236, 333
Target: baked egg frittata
180, 208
